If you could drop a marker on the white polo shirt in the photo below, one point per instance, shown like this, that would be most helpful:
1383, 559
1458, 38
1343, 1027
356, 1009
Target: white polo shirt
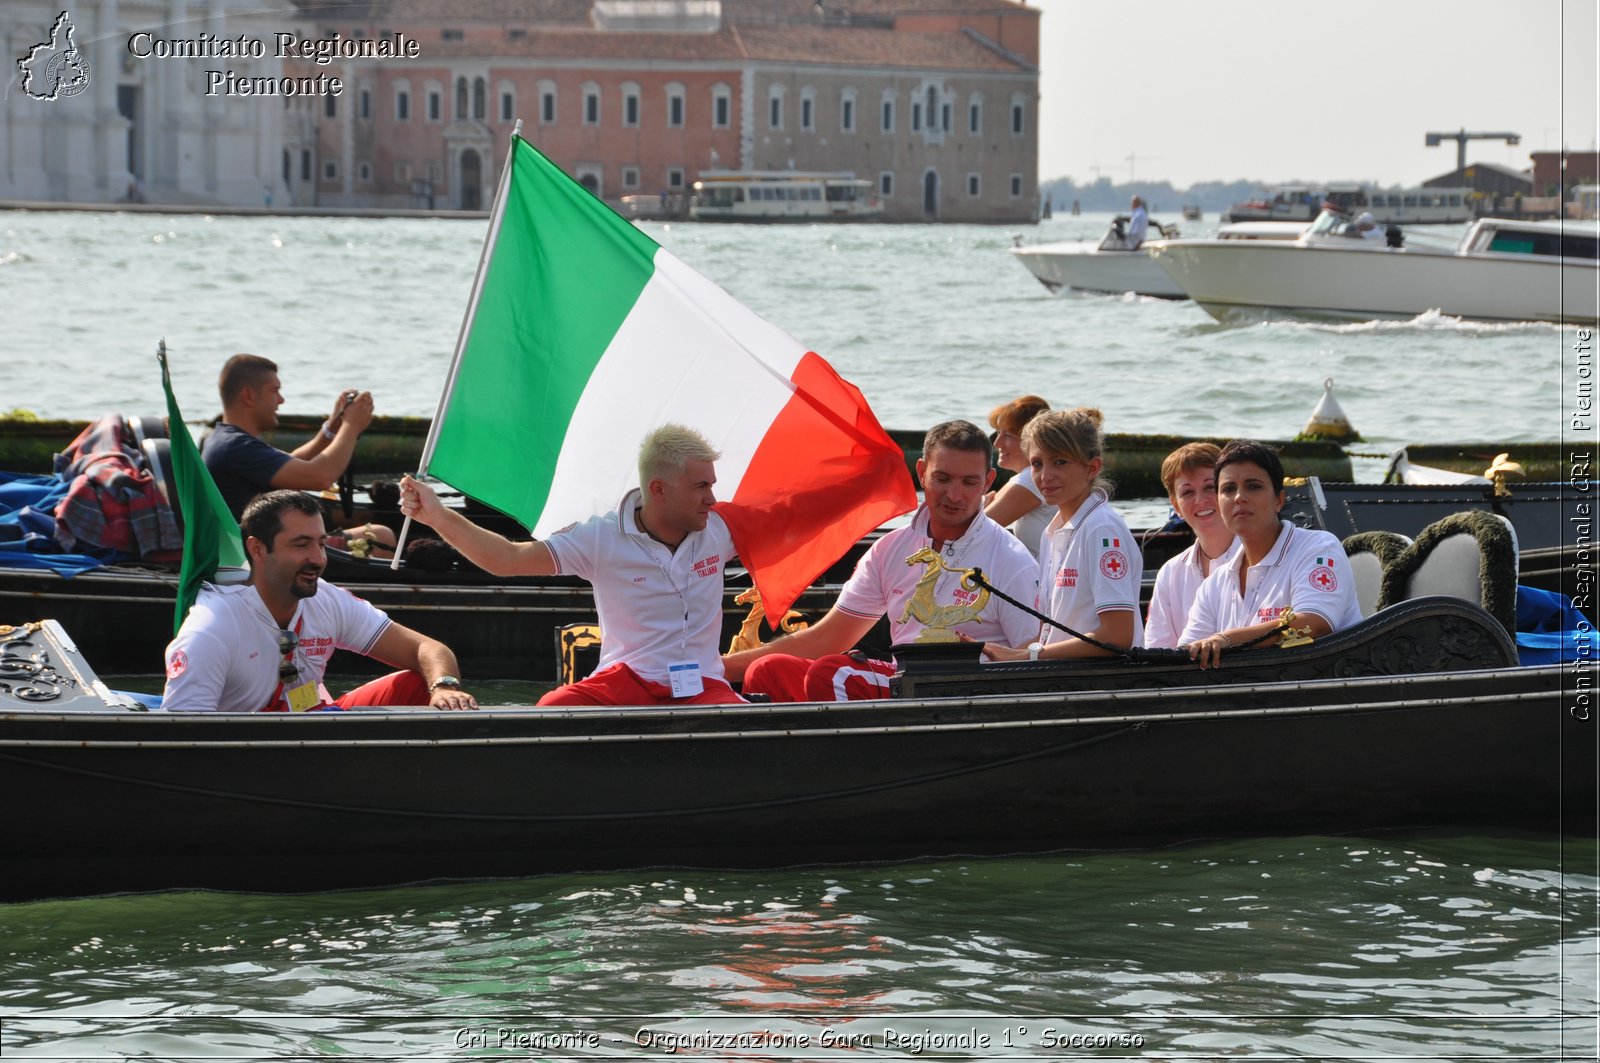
225, 657
1087, 566
1305, 570
883, 583
657, 606
1029, 528
1174, 592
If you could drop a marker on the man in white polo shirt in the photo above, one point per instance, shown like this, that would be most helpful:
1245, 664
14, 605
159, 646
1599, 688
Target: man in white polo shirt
657, 569
264, 646
812, 664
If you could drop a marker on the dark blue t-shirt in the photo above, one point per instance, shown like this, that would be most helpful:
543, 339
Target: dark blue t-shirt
242, 465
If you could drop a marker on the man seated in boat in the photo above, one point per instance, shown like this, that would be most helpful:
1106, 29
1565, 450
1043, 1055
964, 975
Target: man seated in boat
244, 465
656, 564
1277, 567
1190, 477
812, 664
264, 645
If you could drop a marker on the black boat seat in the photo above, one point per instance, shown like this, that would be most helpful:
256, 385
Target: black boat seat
1470, 555
1370, 554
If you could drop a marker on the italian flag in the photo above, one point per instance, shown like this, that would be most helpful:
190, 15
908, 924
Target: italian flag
583, 335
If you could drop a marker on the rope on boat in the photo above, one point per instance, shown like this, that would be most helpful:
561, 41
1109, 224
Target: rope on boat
1132, 653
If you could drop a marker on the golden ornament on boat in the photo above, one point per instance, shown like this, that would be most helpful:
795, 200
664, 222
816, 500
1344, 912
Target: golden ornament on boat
936, 619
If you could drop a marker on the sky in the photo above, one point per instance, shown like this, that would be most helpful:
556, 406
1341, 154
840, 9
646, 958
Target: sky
1195, 90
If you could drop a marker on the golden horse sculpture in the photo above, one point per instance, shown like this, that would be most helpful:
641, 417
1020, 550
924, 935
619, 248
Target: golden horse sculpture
936, 619
748, 637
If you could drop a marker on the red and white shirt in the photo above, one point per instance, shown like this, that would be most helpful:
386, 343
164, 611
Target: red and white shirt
1087, 566
1305, 570
658, 607
225, 657
1174, 593
882, 582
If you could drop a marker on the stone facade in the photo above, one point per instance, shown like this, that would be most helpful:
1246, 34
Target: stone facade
142, 126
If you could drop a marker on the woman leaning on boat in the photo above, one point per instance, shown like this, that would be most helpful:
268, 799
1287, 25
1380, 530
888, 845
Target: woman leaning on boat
1278, 566
1089, 564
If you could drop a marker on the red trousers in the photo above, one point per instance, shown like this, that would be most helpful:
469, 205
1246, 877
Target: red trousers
396, 688
836, 677
621, 685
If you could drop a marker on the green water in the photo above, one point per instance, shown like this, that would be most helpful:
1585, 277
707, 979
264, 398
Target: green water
1431, 947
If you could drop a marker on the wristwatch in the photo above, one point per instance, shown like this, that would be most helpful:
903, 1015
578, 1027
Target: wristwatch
444, 681
1033, 650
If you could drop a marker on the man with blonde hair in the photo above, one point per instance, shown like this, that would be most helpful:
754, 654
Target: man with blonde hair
656, 564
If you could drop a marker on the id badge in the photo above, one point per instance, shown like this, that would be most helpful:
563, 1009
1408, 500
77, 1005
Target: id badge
686, 681
303, 698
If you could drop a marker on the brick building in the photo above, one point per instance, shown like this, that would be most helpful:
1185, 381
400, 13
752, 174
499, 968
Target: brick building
936, 101
1557, 173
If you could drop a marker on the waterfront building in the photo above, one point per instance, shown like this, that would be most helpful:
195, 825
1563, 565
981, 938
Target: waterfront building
138, 126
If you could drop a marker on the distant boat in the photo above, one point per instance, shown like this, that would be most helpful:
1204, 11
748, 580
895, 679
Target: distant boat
1192, 212
1503, 270
1106, 265
1411, 206
783, 195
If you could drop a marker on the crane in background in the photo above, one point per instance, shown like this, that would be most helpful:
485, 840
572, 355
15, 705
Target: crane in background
1461, 137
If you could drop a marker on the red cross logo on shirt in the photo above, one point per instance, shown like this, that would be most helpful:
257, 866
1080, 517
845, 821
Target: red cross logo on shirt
1113, 564
1323, 579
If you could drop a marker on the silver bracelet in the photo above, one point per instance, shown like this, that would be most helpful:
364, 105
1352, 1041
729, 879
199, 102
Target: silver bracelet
326, 434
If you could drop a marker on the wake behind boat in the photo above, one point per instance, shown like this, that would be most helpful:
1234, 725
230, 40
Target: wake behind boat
1502, 270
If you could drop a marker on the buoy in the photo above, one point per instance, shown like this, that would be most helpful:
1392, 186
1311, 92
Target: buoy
1328, 420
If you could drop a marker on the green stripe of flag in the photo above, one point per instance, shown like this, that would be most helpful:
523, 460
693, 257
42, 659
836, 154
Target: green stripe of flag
564, 272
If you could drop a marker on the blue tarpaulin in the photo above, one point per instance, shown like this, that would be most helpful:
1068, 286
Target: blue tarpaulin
28, 524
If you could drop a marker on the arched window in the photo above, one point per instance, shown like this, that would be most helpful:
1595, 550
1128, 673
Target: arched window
721, 106
461, 98
547, 102
675, 105
480, 99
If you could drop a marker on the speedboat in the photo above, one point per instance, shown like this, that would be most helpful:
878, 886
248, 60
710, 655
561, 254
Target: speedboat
1109, 265
1502, 270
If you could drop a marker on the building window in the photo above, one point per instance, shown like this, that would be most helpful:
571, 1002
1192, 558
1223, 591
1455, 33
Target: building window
916, 116
974, 185
674, 106
451, 35
516, 35
808, 110
775, 107
508, 106
366, 104
402, 105
480, 98
591, 103
630, 104
1018, 115
461, 99
402, 173
364, 171
630, 177
547, 102
436, 173
305, 165
675, 177
330, 170
721, 107
1016, 186
975, 115
887, 121
886, 184
944, 117
330, 107
435, 104
847, 111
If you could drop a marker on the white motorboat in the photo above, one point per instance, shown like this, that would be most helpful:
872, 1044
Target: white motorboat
1502, 270
1107, 265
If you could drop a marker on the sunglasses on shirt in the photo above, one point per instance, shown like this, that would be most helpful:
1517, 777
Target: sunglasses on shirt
287, 641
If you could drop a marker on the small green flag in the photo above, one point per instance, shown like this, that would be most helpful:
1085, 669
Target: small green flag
210, 534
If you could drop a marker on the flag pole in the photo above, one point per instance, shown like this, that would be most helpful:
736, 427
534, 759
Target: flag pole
495, 218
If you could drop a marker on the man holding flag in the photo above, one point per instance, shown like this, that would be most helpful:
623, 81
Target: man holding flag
656, 564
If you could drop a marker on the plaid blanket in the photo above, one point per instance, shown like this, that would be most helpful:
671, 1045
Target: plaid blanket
112, 500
